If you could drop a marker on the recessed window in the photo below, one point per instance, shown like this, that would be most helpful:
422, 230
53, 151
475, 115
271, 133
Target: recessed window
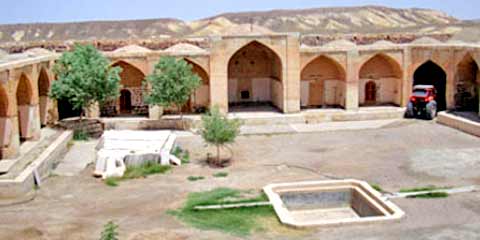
245, 94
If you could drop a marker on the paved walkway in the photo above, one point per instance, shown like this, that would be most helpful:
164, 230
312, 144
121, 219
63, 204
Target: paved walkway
319, 127
78, 157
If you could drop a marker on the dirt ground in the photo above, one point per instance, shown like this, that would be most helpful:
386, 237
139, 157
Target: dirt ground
405, 154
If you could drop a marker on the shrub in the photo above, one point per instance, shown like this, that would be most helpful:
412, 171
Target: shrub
218, 130
109, 231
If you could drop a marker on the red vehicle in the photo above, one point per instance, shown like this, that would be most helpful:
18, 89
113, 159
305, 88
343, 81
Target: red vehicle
422, 102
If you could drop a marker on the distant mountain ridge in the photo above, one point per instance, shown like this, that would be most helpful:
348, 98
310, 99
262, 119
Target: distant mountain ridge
366, 19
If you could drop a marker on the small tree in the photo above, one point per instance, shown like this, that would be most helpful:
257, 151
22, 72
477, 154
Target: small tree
109, 231
218, 130
172, 83
84, 76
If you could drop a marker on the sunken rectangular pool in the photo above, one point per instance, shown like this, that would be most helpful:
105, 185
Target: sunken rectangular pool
318, 203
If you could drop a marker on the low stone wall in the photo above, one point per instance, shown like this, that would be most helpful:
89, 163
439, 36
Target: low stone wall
23, 184
462, 124
93, 127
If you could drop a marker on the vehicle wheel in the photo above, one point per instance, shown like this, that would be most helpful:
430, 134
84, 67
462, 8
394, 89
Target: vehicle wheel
410, 112
431, 110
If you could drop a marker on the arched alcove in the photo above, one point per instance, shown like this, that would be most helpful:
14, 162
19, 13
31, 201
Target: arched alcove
255, 77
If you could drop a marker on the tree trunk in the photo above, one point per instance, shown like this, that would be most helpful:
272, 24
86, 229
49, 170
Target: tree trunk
218, 155
179, 107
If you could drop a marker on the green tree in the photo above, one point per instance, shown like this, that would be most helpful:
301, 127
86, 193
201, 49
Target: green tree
84, 77
171, 83
109, 231
218, 130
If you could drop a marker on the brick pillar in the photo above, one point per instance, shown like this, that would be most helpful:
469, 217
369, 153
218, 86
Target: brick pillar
450, 84
352, 81
219, 76
10, 138
407, 82
291, 82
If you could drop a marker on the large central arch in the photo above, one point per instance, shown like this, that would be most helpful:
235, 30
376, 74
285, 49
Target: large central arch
380, 81
255, 77
430, 73
322, 84
466, 84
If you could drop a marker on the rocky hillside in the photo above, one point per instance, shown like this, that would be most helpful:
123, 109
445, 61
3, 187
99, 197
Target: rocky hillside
368, 19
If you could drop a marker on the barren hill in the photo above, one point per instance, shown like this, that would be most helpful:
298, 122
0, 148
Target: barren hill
367, 19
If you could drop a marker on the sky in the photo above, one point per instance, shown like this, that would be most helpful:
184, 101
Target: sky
26, 11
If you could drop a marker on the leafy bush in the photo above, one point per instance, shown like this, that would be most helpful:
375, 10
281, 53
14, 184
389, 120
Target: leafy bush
84, 78
218, 130
109, 231
80, 135
183, 155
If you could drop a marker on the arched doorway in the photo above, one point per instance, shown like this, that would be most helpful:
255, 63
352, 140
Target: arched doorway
43, 89
125, 101
380, 81
200, 100
24, 100
322, 84
466, 85
430, 73
255, 79
4, 128
370, 93
132, 81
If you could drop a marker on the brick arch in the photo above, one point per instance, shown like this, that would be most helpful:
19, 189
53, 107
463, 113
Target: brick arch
43, 83
467, 77
259, 50
24, 91
322, 83
430, 73
380, 66
255, 76
201, 97
380, 78
199, 70
3, 102
323, 67
131, 76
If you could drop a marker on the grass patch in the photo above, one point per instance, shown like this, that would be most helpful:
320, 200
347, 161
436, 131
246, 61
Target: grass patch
422, 189
181, 154
430, 195
237, 221
80, 135
220, 175
70, 144
377, 187
111, 181
195, 178
142, 171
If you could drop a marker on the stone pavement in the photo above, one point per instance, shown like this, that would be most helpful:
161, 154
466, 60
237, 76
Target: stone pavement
318, 127
78, 157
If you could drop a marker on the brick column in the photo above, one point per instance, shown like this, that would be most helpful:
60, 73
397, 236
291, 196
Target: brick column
219, 76
352, 81
407, 81
291, 83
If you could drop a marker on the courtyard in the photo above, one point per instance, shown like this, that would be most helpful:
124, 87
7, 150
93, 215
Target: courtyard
401, 154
